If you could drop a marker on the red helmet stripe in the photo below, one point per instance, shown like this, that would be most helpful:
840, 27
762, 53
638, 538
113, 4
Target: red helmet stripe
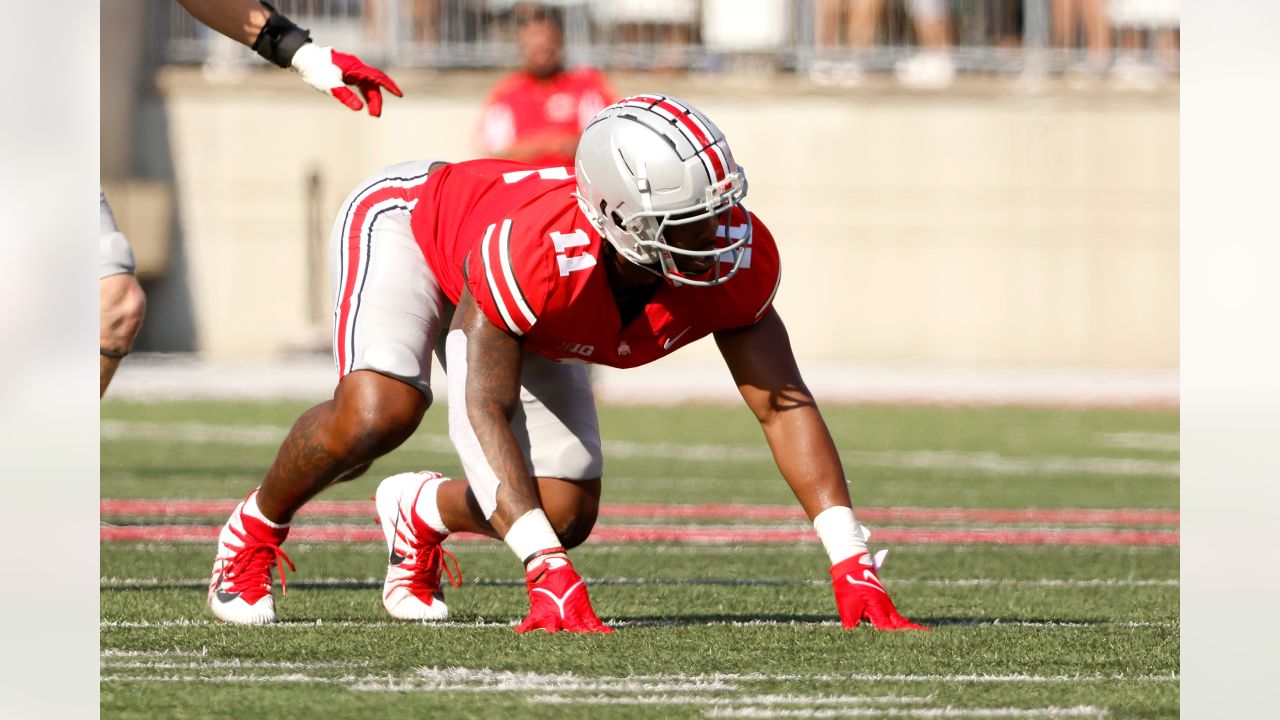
696, 132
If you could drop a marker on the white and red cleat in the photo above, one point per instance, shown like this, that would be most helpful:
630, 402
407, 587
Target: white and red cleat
414, 556
558, 600
240, 590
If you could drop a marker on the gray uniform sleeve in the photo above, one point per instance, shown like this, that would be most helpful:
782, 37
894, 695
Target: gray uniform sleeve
114, 254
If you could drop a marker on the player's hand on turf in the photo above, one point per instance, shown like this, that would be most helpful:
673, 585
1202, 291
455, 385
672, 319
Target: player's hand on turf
558, 600
330, 72
861, 596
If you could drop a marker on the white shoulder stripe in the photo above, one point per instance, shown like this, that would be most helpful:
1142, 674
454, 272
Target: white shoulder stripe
504, 250
493, 285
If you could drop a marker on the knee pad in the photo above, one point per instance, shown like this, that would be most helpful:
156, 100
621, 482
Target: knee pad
575, 458
396, 361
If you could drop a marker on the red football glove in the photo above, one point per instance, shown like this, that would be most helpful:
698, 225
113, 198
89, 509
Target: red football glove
558, 600
861, 596
330, 72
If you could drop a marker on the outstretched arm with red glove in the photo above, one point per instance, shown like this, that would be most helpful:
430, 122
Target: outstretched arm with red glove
274, 37
759, 357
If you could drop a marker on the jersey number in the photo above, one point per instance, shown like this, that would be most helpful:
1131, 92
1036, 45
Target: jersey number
564, 241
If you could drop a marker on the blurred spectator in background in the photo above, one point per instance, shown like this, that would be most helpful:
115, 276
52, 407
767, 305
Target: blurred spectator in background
536, 114
1097, 31
1148, 31
660, 31
930, 68
422, 17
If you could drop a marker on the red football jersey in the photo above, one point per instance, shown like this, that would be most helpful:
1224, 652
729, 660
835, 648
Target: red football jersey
514, 236
522, 105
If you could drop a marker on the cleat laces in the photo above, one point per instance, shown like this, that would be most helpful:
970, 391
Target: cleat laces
253, 562
427, 559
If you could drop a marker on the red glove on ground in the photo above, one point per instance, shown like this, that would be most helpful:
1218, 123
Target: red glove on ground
558, 600
330, 72
861, 596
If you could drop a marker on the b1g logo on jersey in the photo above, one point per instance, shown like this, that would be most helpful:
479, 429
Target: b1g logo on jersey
577, 348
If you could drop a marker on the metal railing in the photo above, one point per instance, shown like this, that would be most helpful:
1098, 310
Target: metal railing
977, 36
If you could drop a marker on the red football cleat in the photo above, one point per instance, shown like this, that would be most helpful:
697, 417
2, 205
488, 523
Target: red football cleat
415, 559
558, 600
240, 589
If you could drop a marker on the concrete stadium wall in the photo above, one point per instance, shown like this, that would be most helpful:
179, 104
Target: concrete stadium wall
980, 227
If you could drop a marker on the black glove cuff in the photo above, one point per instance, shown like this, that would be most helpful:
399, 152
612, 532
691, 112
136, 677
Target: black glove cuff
280, 38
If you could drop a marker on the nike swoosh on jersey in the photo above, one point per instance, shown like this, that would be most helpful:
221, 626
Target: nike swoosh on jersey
667, 345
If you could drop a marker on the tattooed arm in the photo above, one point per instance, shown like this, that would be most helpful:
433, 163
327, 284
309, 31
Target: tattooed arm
492, 392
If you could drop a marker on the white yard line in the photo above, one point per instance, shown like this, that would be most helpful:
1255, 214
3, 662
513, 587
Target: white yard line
982, 462
785, 549
227, 678
115, 653
470, 679
766, 700
1164, 442
672, 622
292, 625
112, 583
1079, 711
234, 664
652, 691
717, 690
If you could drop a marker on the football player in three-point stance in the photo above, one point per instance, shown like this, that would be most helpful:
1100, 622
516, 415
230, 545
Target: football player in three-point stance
520, 274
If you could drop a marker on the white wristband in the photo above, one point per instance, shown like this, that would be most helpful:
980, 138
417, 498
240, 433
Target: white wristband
840, 533
530, 533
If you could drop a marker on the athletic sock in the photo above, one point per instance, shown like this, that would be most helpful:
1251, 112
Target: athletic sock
252, 510
427, 505
840, 533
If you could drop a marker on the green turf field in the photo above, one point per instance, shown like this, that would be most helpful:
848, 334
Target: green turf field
702, 630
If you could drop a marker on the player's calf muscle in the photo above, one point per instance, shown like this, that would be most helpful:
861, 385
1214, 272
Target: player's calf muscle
334, 442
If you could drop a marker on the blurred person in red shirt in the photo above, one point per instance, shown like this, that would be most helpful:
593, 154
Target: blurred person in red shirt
537, 113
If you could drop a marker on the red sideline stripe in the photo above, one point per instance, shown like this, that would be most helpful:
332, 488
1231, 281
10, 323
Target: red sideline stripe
346, 508
349, 533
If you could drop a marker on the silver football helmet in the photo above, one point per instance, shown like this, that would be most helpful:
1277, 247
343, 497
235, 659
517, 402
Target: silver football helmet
651, 161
